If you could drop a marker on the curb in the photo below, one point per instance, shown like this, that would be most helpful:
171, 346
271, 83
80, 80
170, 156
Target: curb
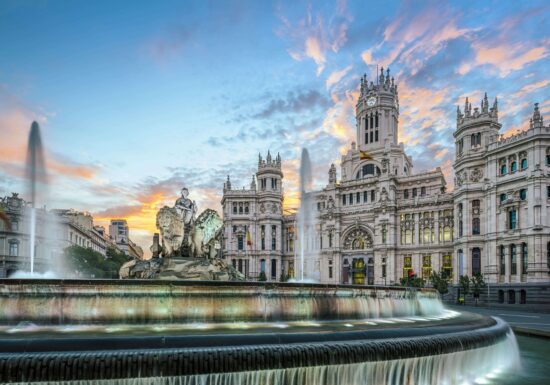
531, 332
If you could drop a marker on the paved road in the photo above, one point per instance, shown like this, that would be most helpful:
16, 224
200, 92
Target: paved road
526, 320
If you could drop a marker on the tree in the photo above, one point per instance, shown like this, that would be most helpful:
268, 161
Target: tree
478, 283
412, 281
262, 276
440, 282
464, 285
87, 263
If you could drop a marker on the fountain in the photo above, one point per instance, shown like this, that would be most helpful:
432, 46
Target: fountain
181, 332
36, 172
306, 221
213, 332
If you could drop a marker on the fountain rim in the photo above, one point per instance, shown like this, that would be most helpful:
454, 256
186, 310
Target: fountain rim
182, 361
203, 283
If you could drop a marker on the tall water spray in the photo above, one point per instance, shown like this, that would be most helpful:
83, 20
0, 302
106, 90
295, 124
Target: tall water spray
305, 220
36, 172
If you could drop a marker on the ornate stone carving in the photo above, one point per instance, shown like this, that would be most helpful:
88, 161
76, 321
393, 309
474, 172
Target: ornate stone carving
476, 175
274, 208
262, 208
358, 239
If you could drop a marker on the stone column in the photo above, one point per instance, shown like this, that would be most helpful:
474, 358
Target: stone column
508, 266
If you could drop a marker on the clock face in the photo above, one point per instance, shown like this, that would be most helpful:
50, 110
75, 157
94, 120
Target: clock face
371, 101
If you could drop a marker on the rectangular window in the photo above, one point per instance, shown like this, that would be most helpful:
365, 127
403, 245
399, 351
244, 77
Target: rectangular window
358, 197
406, 194
366, 138
365, 196
263, 237
502, 260
512, 219
318, 206
447, 265
423, 191
273, 237
273, 269
376, 136
344, 199
513, 259
407, 265
476, 227
372, 196
350, 198
426, 266
414, 192
240, 242
371, 138
14, 249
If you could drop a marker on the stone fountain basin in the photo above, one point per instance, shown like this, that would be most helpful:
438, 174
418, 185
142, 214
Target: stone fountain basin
341, 325
64, 302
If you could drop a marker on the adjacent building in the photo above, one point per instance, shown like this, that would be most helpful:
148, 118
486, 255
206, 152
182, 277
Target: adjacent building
55, 230
120, 234
380, 221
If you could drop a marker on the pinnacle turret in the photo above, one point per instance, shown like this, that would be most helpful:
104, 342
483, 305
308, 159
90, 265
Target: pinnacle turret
481, 112
537, 120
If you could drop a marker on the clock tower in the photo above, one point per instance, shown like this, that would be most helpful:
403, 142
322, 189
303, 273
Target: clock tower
377, 112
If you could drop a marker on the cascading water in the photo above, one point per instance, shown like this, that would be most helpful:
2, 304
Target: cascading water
306, 225
36, 172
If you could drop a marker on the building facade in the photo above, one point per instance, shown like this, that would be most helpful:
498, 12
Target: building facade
120, 234
380, 221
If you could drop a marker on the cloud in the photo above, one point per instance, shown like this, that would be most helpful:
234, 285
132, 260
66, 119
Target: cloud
314, 35
336, 76
169, 44
504, 58
294, 102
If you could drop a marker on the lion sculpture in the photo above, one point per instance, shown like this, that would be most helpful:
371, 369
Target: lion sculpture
204, 232
170, 225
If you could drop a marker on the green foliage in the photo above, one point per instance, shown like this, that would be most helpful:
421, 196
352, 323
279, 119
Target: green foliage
283, 277
464, 284
87, 263
478, 283
440, 282
262, 277
412, 281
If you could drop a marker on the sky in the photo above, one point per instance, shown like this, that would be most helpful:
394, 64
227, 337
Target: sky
137, 99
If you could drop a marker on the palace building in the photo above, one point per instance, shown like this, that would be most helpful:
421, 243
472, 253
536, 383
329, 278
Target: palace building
380, 221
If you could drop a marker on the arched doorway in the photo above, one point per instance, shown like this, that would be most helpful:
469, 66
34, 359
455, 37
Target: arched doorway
358, 259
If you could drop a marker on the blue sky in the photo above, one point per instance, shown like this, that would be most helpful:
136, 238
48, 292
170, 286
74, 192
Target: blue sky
138, 98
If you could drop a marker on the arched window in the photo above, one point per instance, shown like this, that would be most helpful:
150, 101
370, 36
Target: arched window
513, 167
524, 164
513, 259
246, 208
240, 208
503, 170
476, 261
511, 296
522, 194
368, 169
234, 208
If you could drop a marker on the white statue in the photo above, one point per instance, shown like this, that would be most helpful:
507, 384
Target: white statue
170, 224
185, 207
